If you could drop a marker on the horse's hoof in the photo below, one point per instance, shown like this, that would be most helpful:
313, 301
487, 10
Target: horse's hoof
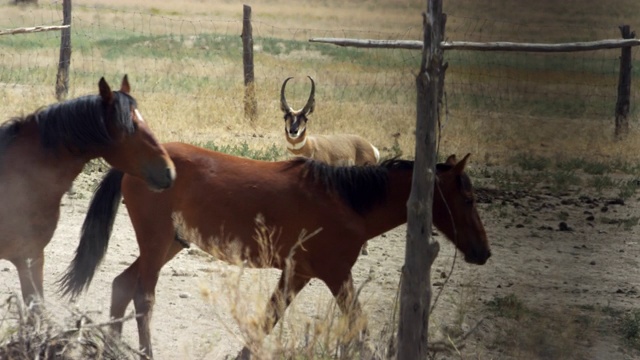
244, 354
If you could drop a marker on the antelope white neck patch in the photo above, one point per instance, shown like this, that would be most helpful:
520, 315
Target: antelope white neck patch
297, 146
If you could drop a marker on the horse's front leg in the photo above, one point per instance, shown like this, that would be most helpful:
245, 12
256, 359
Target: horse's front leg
144, 300
347, 300
148, 269
288, 287
123, 289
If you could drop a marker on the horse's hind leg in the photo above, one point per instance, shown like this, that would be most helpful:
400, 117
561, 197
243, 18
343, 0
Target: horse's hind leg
30, 273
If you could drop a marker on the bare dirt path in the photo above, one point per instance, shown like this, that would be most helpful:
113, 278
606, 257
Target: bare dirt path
563, 277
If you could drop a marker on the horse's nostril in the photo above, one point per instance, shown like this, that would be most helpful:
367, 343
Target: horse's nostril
478, 255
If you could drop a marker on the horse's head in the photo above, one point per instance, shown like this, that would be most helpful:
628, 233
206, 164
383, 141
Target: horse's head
133, 149
457, 216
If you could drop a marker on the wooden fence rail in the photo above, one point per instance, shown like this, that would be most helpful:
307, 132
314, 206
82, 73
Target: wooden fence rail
488, 46
624, 85
34, 29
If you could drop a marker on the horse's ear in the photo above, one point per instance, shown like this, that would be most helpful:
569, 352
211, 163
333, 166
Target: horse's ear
459, 167
451, 160
125, 87
105, 91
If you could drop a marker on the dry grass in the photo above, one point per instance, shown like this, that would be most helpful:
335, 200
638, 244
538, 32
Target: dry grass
497, 138
214, 111
37, 333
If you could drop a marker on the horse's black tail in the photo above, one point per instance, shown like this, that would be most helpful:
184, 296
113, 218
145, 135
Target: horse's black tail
94, 238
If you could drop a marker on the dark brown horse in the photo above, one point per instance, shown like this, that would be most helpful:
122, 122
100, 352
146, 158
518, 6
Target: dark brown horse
245, 210
42, 153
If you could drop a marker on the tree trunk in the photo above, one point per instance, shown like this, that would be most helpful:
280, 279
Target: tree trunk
421, 248
250, 102
62, 79
624, 87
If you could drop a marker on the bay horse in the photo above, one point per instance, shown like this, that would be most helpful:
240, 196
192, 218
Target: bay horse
227, 205
42, 153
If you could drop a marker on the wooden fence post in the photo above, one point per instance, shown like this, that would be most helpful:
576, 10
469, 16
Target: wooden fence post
62, 79
624, 87
421, 247
250, 102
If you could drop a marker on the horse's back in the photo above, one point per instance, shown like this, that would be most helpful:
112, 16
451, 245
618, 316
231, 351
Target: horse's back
227, 198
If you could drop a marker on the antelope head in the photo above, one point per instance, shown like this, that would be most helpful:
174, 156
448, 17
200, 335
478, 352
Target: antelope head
295, 122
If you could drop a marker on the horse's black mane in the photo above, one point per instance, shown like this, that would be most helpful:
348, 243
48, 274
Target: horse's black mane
360, 186
76, 124
8, 131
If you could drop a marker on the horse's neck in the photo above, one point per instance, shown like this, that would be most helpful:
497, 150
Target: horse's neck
392, 211
27, 157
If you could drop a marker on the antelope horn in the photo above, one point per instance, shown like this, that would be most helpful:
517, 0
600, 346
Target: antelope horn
283, 101
311, 103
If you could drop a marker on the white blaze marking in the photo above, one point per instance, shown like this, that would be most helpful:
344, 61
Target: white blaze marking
138, 115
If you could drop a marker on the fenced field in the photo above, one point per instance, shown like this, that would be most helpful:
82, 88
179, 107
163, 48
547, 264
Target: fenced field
185, 64
539, 126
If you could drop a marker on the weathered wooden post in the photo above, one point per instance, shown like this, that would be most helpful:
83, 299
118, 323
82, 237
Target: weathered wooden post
421, 248
624, 86
62, 79
250, 102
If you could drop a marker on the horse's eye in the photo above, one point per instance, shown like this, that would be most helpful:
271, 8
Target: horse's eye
469, 201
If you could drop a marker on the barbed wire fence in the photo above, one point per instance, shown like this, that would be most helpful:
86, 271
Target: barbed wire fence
198, 57
104, 37
569, 85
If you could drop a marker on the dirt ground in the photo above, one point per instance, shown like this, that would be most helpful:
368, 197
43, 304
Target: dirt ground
563, 277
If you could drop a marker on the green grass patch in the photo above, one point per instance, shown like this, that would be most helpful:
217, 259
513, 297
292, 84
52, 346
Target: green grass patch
628, 189
630, 328
532, 162
596, 167
601, 183
509, 306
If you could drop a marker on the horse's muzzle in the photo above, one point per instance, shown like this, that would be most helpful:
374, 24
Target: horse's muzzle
478, 256
161, 180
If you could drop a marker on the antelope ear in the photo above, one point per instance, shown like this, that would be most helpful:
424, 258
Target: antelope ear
105, 91
459, 167
451, 160
125, 87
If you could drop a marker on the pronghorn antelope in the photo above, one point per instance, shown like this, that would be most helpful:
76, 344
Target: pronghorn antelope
337, 150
